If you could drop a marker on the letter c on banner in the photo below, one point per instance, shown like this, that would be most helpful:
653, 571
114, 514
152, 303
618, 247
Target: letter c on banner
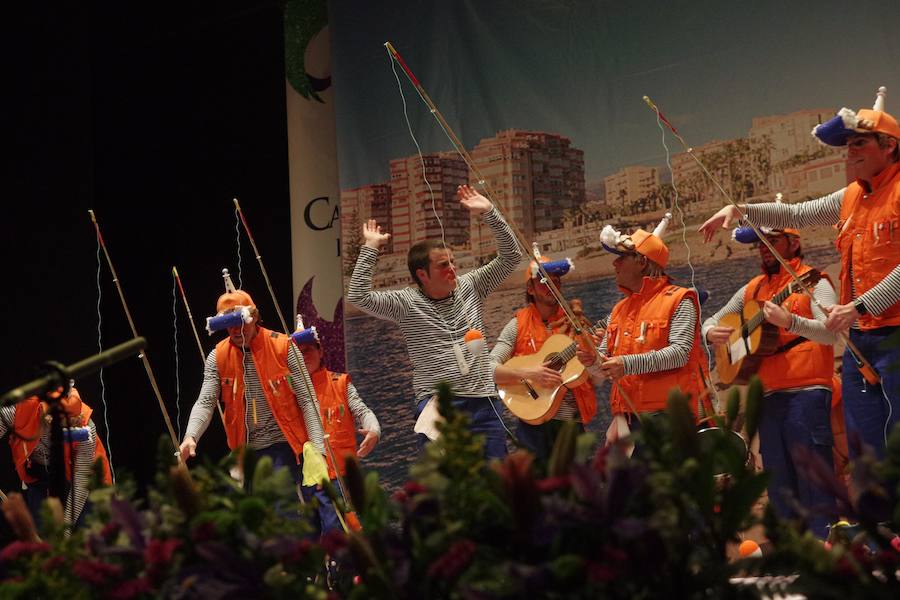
307, 217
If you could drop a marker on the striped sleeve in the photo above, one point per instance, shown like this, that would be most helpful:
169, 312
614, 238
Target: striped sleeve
202, 412
388, 305
821, 211
814, 329
84, 462
506, 341
884, 294
676, 354
362, 414
487, 278
306, 398
7, 419
734, 305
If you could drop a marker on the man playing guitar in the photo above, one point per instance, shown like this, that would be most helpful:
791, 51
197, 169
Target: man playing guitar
797, 376
525, 334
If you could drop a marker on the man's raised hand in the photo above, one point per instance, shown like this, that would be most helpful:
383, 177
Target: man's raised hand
472, 200
373, 235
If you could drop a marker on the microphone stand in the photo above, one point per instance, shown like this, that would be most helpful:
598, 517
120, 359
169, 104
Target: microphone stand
52, 386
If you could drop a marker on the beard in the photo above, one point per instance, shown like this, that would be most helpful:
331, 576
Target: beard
772, 268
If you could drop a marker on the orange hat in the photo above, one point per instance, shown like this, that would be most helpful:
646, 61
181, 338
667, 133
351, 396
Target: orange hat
878, 121
651, 246
837, 131
232, 297
229, 300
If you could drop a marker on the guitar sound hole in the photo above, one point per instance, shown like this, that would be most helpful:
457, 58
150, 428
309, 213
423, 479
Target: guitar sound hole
554, 362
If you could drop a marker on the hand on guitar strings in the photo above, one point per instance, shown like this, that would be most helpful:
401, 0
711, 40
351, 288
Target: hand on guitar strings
840, 317
719, 335
777, 315
542, 376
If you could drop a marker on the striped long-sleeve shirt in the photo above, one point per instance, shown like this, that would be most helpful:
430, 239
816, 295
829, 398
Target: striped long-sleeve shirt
434, 329
84, 460
674, 356
362, 414
262, 429
825, 211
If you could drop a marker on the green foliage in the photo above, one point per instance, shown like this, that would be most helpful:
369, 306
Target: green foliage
588, 523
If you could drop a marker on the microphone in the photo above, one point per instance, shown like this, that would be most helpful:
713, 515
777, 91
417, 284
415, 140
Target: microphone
74, 371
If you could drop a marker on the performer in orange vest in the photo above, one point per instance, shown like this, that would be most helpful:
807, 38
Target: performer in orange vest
29, 440
866, 216
797, 377
652, 343
261, 382
344, 414
525, 334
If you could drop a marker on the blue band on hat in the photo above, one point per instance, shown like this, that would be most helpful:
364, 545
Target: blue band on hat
307, 336
220, 322
553, 267
833, 132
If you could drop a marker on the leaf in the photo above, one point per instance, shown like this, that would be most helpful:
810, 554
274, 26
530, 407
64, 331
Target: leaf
563, 449
754, 406
733, 407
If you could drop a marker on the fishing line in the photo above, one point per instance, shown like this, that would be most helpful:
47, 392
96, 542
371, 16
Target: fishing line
175, 339
109, 451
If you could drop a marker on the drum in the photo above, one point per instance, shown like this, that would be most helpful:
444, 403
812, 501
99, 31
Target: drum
729, 448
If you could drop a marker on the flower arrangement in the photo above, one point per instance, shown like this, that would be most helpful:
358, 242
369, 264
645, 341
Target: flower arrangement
588, 523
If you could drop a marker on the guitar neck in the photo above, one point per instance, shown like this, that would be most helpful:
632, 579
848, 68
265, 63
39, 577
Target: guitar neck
759, 317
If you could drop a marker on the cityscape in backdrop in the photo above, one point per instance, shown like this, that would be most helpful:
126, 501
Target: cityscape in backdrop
538, 179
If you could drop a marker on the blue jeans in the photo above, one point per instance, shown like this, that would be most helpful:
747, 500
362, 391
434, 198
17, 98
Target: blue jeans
539, 439
484, 419
789, 420
871, 411
39, 491
282, 456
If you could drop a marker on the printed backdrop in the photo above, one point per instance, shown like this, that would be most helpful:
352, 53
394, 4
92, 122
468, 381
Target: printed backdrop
547, 97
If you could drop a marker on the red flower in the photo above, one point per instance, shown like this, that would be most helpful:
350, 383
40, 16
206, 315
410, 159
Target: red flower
159, 552
552, 484
600, 459
94, 571
19, 548
454, 561
110, 531
130, 589
158, 555
298, 552
203, 532
413, 488
333, 541
54, 562
601, 572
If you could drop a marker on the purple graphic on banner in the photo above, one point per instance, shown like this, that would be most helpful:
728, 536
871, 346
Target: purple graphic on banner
331, 333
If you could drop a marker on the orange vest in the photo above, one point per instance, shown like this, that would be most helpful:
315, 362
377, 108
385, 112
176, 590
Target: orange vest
531, 333
653, 305
269, 350
869, 240
804, 364
26, 435
337, 420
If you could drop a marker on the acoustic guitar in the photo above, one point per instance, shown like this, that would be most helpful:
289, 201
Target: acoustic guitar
753, 338
530, 401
